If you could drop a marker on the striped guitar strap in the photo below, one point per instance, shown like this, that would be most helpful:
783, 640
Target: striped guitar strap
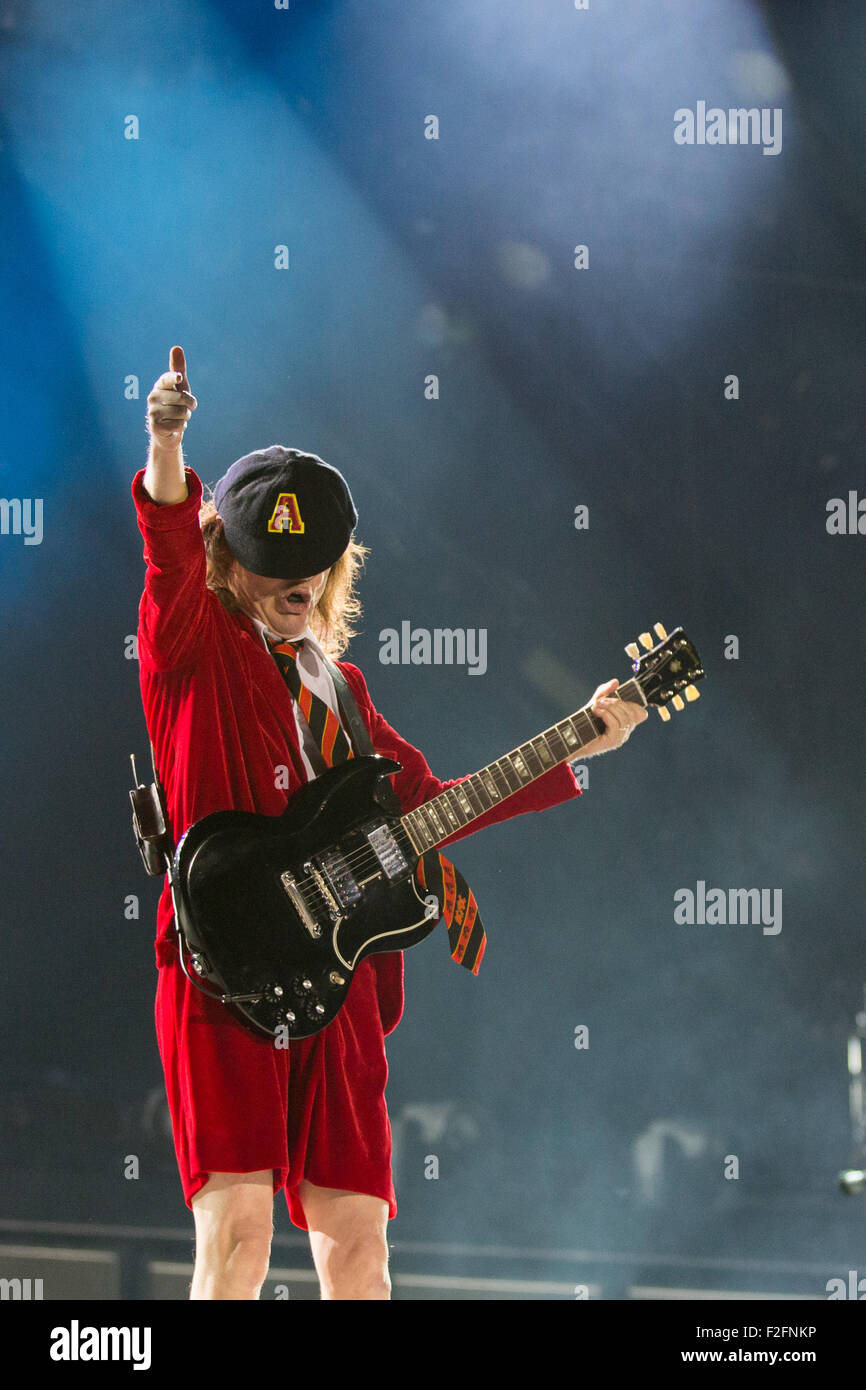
433, 872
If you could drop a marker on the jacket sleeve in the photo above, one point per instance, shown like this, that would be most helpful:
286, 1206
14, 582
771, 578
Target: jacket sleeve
417, 784
175, 607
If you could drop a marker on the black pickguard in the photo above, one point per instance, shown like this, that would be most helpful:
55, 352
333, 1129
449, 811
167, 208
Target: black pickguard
244, 926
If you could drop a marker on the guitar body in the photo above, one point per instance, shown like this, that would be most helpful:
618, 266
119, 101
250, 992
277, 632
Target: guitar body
276, 913
279, 911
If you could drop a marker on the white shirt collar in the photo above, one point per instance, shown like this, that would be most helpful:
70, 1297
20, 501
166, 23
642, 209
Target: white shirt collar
265, 633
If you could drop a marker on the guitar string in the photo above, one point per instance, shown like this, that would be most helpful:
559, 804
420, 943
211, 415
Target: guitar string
365, 856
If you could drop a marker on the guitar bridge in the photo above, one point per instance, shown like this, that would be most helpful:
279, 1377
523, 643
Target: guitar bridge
300, 905
333, 907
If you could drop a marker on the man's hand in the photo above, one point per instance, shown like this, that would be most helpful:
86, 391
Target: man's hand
170, 404
169, 407
618, 716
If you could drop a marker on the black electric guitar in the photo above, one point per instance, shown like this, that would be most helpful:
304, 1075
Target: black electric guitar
275, 913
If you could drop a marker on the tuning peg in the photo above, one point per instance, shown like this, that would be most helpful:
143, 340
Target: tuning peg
692, 692
678, 702
645, 640
664, 714
660, 632
632, 650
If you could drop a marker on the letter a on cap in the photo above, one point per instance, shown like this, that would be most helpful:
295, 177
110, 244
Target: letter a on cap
286, 515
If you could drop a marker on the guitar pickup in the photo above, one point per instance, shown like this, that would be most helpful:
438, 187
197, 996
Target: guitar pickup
340, 880
387, 851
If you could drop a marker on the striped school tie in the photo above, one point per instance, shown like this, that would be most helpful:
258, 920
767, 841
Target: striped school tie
324, 724
466, 936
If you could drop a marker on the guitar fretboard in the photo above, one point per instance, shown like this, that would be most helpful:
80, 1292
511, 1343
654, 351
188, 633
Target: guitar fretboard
430, 824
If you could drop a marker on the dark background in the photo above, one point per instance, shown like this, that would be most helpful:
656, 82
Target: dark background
558, 387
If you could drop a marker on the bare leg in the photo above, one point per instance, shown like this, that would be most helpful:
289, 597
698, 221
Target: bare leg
348, 1238
234, 1224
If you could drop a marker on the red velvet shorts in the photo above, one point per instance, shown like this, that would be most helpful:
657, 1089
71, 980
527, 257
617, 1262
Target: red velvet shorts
314, 1110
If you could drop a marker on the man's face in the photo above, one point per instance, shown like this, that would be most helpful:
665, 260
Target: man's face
283, 605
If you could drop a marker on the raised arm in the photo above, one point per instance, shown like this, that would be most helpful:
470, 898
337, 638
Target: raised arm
174, 607
169, 408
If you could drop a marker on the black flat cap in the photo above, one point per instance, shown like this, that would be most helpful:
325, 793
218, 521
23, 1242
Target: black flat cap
286, 514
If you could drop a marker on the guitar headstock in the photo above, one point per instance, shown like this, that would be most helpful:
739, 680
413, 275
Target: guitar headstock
665, 669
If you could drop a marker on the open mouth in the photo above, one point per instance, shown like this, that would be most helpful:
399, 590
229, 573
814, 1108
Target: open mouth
295, 602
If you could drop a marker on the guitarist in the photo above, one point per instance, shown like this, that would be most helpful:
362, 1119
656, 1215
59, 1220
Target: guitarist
271, 557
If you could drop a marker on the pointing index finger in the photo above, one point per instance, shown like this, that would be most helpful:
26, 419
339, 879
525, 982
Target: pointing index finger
177, 363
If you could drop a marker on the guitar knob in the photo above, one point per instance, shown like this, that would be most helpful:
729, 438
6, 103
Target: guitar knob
301, 986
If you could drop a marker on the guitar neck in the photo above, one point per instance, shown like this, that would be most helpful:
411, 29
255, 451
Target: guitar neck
429, 825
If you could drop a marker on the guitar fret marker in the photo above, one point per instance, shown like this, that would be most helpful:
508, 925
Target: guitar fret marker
470, 798
317, 888
506, 770
542, 753
490, 785
450, 808
464, 802
470, 786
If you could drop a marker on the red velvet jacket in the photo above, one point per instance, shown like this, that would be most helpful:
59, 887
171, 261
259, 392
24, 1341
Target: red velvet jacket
220, 715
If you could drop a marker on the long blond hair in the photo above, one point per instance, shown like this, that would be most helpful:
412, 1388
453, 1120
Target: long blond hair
337, 611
